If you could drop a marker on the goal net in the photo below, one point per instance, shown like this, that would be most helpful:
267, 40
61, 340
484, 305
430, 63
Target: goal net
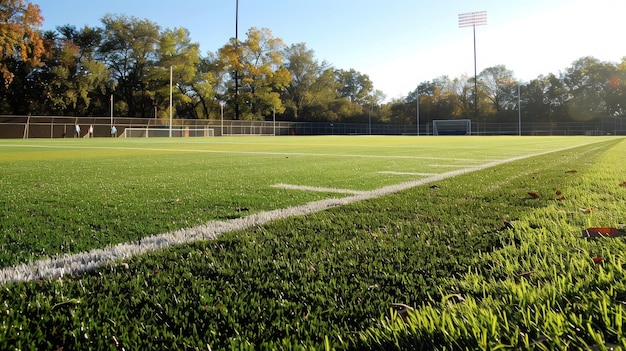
452, 127
165, 132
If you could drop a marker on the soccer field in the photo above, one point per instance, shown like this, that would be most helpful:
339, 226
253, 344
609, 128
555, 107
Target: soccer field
311, 243
76, 195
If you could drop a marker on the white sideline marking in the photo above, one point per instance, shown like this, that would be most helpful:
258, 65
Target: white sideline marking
432, 158
317, 189
408, 173
82, 262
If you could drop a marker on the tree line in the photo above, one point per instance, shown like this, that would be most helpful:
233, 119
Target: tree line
135, 65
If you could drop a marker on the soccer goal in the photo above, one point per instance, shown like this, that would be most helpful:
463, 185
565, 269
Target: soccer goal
452, 127
165, 132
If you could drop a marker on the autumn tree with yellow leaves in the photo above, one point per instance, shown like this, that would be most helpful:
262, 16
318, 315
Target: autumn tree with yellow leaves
19, 36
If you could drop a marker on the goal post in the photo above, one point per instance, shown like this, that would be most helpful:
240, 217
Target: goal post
147, 132
452, 127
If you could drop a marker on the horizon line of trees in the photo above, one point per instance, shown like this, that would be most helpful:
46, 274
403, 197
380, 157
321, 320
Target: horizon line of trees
76, 72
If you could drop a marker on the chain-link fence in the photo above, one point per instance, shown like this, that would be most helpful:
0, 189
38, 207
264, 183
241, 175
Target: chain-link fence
63, 127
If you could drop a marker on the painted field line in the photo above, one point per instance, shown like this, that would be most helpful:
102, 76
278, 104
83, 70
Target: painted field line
443, 166
408, 173
317, 189
238, 152
83, 262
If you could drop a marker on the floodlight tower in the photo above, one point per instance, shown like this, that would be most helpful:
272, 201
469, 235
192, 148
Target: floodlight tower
236, 51
473, 19
171, 107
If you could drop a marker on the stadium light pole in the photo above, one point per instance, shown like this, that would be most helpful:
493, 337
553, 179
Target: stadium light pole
170, 101
236, 51
473, 19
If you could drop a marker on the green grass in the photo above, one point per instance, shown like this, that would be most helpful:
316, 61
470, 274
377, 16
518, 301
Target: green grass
542, 288
68, 196
325, 279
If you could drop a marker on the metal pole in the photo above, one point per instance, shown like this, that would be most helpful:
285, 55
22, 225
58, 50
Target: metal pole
370, 121
170, 101
222, 113
475, 78
111, 99
236, 52
417, 103
274, 117
519, 110
236, 19
26, 128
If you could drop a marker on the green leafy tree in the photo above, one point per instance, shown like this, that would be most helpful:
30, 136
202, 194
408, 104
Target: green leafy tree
374, 109
305, 70
399, 109
354, 86
77, 81
555, 96
175, 50
534, 103
258, 64
92, 79
587, 82
436, 99
324, 98
60, 70
463, 99
318, 92
206, 86
129, 49
499, 90
616, 91
345, 96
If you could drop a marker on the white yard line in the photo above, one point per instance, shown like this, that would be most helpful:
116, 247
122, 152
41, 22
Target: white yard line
82, 262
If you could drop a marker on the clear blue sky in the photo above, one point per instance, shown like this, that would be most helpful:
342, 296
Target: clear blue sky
398, 43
